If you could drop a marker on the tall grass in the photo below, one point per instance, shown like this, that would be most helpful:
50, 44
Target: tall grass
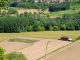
44, 34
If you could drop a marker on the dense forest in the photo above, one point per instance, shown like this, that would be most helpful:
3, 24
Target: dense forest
36, 22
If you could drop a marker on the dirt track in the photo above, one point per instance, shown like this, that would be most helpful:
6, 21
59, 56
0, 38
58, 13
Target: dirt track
72, 52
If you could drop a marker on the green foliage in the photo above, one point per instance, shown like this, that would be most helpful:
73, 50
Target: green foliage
30, 28
40, 28
63, 27
22, 40
12, 11
24, 0
55, 28
31, 1
42, 6
51, 28
2, 55
16, 56
70, 26
74, 1
36, 22
3, 3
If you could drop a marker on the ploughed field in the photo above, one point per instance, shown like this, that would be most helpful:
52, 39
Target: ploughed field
34, 51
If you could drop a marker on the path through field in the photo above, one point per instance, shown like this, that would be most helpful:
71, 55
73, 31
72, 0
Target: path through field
38, 49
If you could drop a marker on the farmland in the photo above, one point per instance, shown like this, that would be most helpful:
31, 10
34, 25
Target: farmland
43, 37
35, 30
35, 50
71, 52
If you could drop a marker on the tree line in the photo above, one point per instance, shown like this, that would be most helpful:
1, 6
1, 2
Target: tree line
59, 6
39, 22
31, 5
26, 5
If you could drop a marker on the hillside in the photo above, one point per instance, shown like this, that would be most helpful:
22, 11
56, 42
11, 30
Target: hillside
74, 8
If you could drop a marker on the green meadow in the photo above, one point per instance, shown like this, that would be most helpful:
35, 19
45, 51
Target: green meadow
44, 34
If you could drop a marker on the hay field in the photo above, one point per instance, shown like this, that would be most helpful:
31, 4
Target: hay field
42, 34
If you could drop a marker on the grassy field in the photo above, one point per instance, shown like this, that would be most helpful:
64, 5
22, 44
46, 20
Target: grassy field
44, 34
60, 13
73, 10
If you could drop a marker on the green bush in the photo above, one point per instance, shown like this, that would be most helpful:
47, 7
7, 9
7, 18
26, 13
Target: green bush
16, 56
12, 11
2, 55
55, 28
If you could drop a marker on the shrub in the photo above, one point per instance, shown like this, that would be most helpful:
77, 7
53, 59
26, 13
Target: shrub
55, 28
12, 11
63, 27
16, 56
